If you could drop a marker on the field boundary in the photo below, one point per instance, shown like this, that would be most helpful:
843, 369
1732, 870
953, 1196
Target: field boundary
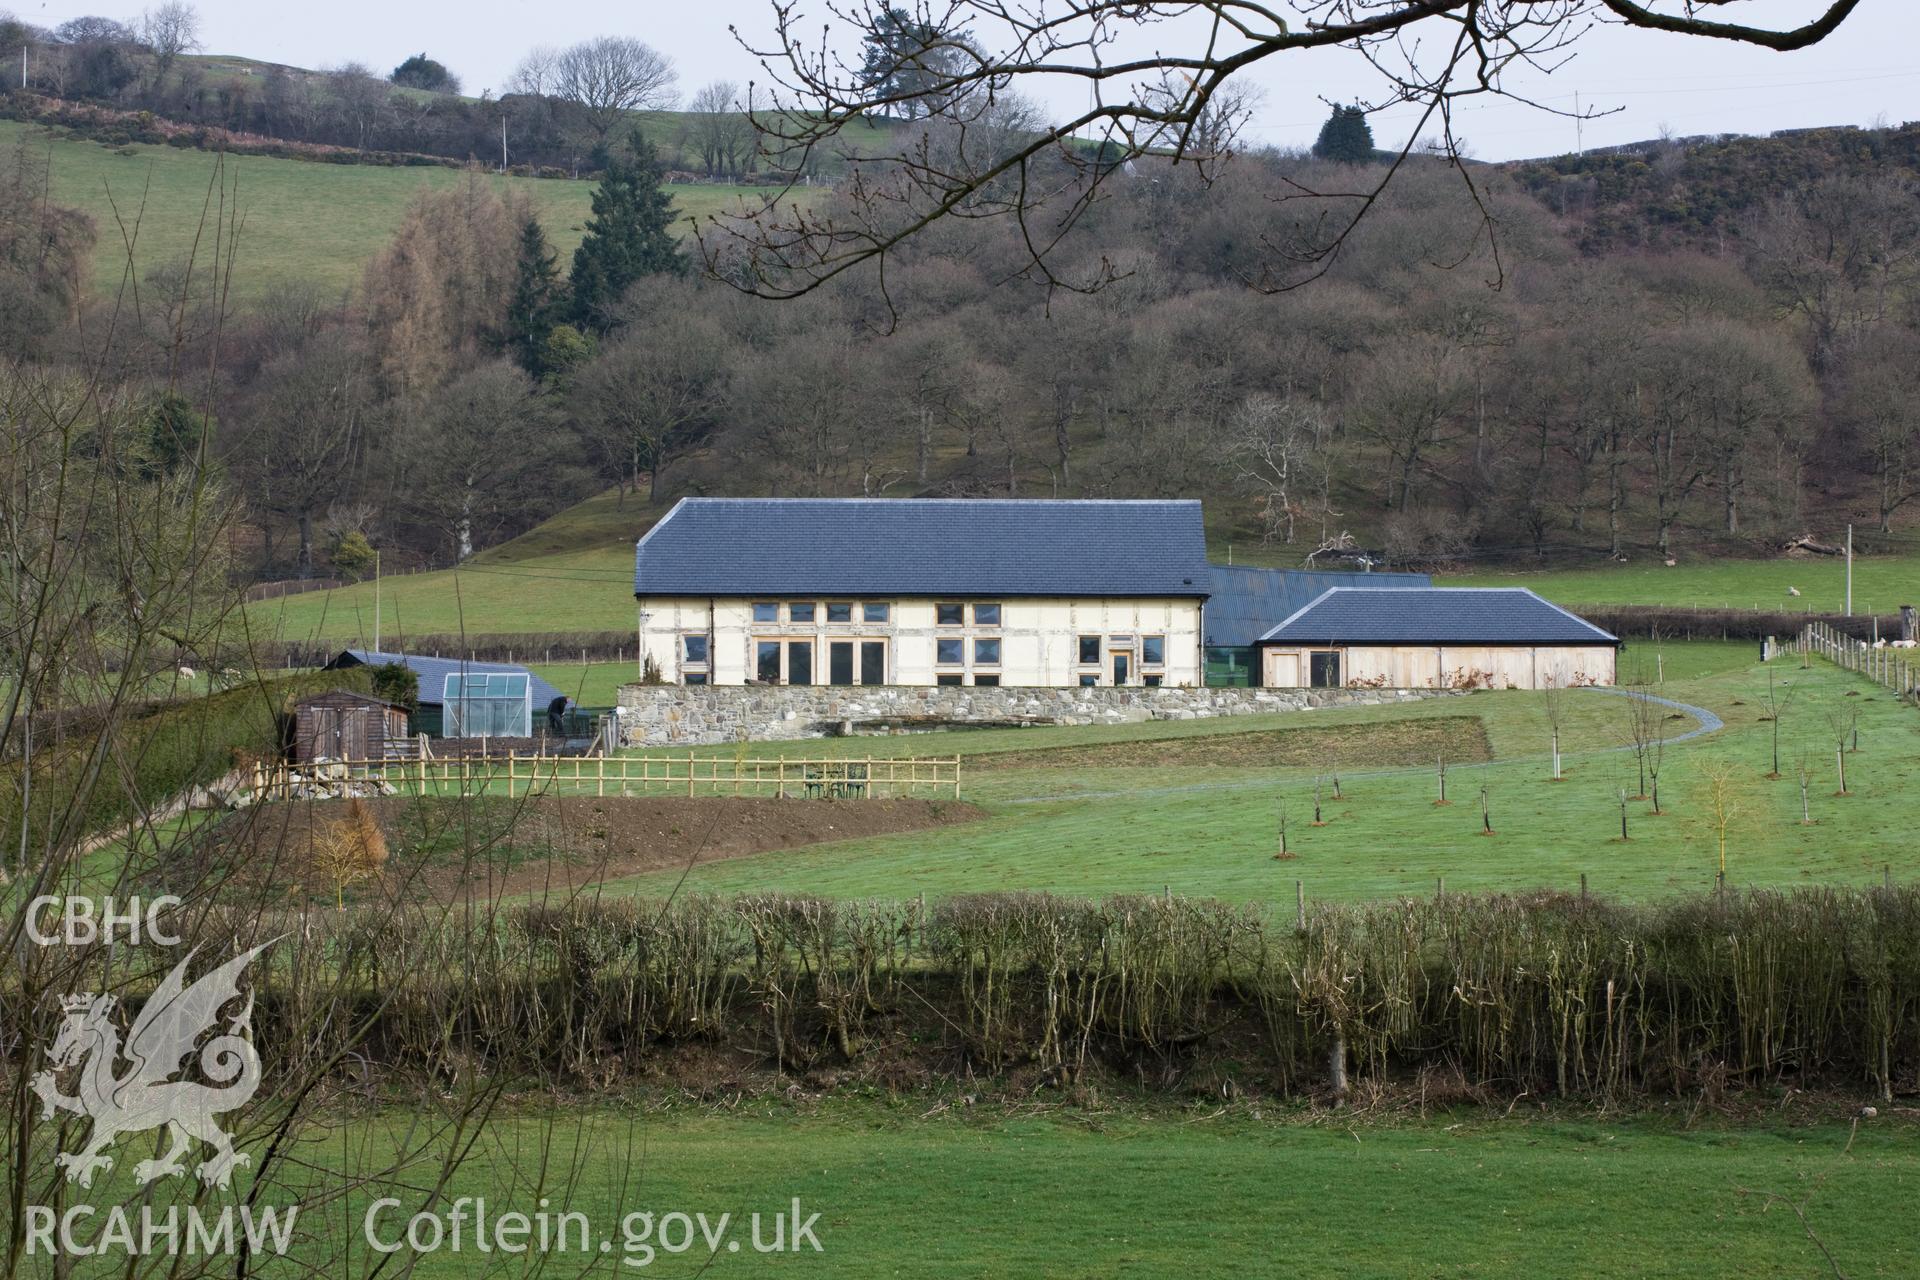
1878, 663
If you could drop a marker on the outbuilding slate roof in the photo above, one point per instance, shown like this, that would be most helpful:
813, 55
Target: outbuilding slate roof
924, 547
433, 673
1436, 615
1247, 601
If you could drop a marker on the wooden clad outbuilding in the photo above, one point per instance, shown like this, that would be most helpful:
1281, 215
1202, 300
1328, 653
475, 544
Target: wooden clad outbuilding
1436, 638
343, 725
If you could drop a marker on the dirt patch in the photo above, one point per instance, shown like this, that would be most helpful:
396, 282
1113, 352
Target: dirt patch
443, 848
1462, 739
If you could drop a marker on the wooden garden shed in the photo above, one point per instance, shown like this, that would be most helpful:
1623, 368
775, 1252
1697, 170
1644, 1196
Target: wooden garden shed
343, 725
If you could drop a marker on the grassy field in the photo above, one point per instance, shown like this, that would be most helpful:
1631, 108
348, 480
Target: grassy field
1209, 826
1046, 1190
304, 222
1880, 583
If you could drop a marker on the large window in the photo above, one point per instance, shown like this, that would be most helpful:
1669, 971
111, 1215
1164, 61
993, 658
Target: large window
840, 662
873, 662
1089, 651
799, 662
767, 662
696, 650
1153, 651
1323, 669
486, 705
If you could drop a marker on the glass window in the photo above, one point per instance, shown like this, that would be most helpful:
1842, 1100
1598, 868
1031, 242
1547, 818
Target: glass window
766, 611
1122, 667
986, 615
1089, 680
1090, 650
873, 662
839, 613
948, 652
986, 653
986, 680
800, 611
1152, 682
799, 662
949, 615
874, 611
1153, 650
696, 677
840, 662
767, 661
696, 648
1323, 670
953, 677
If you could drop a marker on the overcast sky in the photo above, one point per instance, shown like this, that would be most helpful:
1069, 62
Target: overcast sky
1864, 74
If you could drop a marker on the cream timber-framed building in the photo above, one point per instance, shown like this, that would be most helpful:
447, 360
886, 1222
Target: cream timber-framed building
908, 591
1435, 638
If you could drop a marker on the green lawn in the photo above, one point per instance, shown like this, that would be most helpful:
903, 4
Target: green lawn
1212, 830
573, 573
304, 222
1880, 583
912, 1188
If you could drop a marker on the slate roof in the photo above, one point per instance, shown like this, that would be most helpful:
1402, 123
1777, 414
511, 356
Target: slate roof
433, 673
1246, 602
923, 547
1436, 615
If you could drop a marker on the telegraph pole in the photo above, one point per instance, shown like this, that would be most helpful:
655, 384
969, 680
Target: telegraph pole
1849, 571
503, 143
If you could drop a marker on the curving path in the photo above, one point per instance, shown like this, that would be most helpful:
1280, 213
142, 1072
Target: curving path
1709, 722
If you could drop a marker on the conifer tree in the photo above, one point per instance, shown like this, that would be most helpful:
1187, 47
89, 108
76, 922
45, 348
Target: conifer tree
1345, 137
629, 235
534, 308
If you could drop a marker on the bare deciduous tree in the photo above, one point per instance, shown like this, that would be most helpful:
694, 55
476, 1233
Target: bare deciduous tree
720, 130
169, 30
608, 76
360, 96
538, 73
1273, 444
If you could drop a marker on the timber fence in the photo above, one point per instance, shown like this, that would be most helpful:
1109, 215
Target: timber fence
1890, 665
653, 774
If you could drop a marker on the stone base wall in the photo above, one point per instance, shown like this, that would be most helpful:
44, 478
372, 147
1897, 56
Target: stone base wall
703, 715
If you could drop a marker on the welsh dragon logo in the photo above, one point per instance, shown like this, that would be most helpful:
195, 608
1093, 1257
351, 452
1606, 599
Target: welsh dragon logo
169, 1025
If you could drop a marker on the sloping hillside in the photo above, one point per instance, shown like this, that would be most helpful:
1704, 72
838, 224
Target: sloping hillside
303, 222
1696, 191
